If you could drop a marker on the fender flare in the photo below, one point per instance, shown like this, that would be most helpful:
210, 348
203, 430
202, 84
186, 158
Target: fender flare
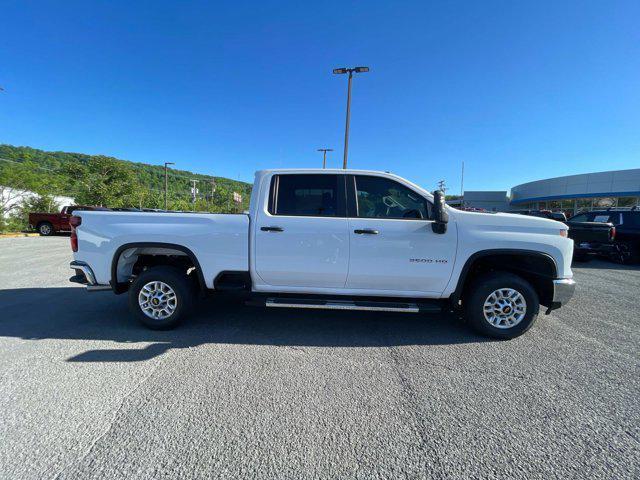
121, 287
462, 278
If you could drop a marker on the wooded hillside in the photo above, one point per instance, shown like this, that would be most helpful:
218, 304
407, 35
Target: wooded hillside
111, 182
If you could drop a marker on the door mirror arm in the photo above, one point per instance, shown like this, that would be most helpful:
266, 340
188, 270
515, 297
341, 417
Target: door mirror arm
440, 215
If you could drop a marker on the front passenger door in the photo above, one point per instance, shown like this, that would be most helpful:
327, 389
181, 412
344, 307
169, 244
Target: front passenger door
394, 250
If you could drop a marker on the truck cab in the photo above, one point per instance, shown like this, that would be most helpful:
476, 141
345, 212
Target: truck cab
359, 233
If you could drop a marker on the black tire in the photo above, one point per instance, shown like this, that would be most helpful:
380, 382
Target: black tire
479, 292
177, 281
625, 254
45, 229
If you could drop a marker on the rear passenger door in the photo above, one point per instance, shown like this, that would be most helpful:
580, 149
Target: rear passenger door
301, 236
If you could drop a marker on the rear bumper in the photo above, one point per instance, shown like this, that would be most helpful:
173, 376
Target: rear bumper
85, 276
594, 247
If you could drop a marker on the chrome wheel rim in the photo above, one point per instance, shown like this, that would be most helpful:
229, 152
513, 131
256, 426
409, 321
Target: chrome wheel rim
157, 300
45, 229
505, 308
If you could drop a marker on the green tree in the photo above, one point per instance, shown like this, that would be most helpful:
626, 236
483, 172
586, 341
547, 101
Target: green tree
19, 216
104, 181
17, 180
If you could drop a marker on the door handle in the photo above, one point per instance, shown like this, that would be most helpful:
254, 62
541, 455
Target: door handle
272, 229
367, 231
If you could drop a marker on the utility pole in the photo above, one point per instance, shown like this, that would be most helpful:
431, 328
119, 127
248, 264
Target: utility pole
441, 186
324, 157
166, 182
350, 71
194, 190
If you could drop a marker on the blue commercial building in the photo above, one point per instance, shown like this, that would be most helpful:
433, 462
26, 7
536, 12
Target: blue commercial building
570, 194
574, 193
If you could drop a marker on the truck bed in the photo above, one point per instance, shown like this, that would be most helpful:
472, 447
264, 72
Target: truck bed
590, 232
220, 242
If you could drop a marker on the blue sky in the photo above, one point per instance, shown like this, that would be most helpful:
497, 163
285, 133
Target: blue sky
517, 91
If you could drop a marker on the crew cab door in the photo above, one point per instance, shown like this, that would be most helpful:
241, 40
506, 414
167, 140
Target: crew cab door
393, 247
62, 220
301, 232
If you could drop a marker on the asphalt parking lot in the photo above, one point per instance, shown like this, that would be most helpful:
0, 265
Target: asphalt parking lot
240, 392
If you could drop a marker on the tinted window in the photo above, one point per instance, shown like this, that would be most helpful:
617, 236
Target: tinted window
378, 197
605, 217
558, 216
305, 195
631, 219
580, 218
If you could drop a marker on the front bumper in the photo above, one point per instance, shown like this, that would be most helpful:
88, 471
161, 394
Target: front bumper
85, 276
563, 290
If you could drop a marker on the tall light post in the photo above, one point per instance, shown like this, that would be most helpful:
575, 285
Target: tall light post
324, 157
350, 71
166, 182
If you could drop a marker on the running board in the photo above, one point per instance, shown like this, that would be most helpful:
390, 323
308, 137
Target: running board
350, 305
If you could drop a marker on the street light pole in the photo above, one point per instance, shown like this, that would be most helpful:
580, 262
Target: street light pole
324, 158
166, 182
350, 71
346, 127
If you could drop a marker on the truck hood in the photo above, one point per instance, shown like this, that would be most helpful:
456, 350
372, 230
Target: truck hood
510, 222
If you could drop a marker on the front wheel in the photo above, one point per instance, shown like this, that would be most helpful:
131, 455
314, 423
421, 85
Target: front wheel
501, 305
160, 297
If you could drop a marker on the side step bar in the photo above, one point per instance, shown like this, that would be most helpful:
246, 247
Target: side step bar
350, 305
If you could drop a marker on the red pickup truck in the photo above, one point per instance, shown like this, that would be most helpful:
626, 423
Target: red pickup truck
49, 223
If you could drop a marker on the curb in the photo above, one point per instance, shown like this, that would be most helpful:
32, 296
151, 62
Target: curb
15, 235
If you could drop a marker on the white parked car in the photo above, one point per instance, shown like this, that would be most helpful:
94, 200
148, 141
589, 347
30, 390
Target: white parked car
334, 239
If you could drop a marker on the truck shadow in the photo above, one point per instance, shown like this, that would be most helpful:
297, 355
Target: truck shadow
73, 314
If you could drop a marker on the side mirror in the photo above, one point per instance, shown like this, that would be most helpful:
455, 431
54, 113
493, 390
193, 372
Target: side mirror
440, 214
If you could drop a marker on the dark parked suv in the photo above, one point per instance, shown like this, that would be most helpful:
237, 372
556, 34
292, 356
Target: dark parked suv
626, 236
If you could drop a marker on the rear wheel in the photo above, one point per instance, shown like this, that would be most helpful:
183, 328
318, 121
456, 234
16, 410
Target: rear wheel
160, 297
45, 229
624, 254
501, 305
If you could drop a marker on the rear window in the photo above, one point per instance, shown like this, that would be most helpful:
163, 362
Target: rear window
601, 218
304, 195
583, 217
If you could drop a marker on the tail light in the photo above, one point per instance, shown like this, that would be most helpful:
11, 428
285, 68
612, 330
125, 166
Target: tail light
613, 233
74, 222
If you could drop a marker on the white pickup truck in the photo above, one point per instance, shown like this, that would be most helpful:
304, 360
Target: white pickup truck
332, 239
